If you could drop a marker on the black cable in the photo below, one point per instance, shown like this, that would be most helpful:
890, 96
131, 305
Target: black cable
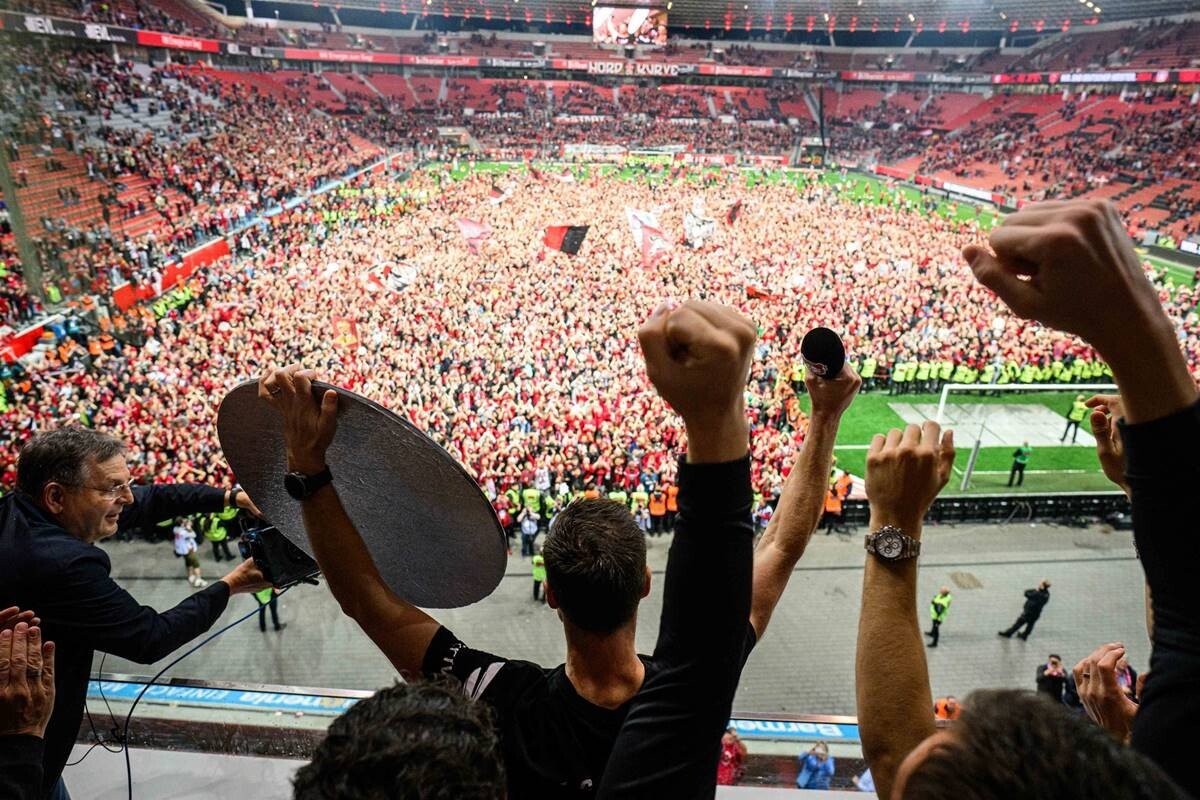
116, 730
100, 685
154, 680
98, 743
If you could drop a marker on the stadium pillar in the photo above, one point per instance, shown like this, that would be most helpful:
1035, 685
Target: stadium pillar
31, 266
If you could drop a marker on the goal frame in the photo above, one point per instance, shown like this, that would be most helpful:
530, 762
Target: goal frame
1008, 388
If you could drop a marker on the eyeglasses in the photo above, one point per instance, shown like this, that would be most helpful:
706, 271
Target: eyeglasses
109, 492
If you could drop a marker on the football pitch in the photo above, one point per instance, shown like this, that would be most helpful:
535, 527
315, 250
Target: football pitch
1006, 420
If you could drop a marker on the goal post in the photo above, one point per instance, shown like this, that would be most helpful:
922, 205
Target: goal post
1013, 388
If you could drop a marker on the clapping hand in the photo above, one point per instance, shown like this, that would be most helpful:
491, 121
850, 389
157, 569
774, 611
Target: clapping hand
905, 472
26, 681
9, 617
1065, 264
1102, 696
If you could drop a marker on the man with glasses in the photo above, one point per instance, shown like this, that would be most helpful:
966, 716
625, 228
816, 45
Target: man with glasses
74, 490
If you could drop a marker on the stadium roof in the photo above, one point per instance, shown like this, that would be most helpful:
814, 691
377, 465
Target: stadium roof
982, 13
842, 15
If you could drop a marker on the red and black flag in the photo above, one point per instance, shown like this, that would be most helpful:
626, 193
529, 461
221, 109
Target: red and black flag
565, 238
733, 213
535, 173
497, 195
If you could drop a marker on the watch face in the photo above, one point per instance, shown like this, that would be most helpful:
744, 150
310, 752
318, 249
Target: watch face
889, 545
294, 484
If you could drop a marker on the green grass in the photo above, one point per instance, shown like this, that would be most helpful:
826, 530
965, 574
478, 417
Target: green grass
865, 188
1051, 469
1177, 274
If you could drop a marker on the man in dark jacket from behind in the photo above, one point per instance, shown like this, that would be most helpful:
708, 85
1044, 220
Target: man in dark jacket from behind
1035, 601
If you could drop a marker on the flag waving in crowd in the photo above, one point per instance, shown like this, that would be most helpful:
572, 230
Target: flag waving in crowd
648, 236
733, 213
655, 246
474, 232
345, 333
565, 238
497, 195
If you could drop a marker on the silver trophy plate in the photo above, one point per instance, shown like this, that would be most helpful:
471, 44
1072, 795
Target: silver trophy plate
431, 531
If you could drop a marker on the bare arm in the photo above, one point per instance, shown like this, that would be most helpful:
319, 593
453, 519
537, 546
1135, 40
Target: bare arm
1059, 263
398, 628
904, 473
803, 499
892, 678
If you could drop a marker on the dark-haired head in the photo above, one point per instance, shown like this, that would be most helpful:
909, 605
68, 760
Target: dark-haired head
1018, 745
412, 741
596, 565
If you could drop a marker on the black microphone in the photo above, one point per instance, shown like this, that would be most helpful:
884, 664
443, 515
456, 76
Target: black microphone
823, 352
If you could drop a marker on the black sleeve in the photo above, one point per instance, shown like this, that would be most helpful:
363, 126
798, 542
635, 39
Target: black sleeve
493, 679
161, 501
95, 610
1162, 469
669, 744
21, 767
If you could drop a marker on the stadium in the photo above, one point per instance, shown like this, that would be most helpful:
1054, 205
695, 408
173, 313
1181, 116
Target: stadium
555, 274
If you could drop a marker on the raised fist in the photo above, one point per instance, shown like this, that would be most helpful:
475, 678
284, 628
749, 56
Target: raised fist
698, 358
1069, 264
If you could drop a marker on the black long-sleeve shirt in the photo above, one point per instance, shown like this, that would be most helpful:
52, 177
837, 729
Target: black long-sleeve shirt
665, 742
20, 767
670, 742
66, 582
1162, 466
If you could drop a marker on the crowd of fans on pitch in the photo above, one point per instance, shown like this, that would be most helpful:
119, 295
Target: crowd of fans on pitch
465, 350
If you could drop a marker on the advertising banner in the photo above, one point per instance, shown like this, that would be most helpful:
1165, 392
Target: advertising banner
575, 64
795, 731
170, 40
340, 56
967, 191
725, 69
1104, 77
514, 63
883, 76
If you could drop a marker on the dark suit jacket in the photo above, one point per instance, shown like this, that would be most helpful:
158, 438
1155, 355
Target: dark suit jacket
1035, 601
66, 582
20, 767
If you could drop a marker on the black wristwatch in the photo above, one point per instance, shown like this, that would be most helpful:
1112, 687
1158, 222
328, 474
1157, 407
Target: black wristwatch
302, 487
